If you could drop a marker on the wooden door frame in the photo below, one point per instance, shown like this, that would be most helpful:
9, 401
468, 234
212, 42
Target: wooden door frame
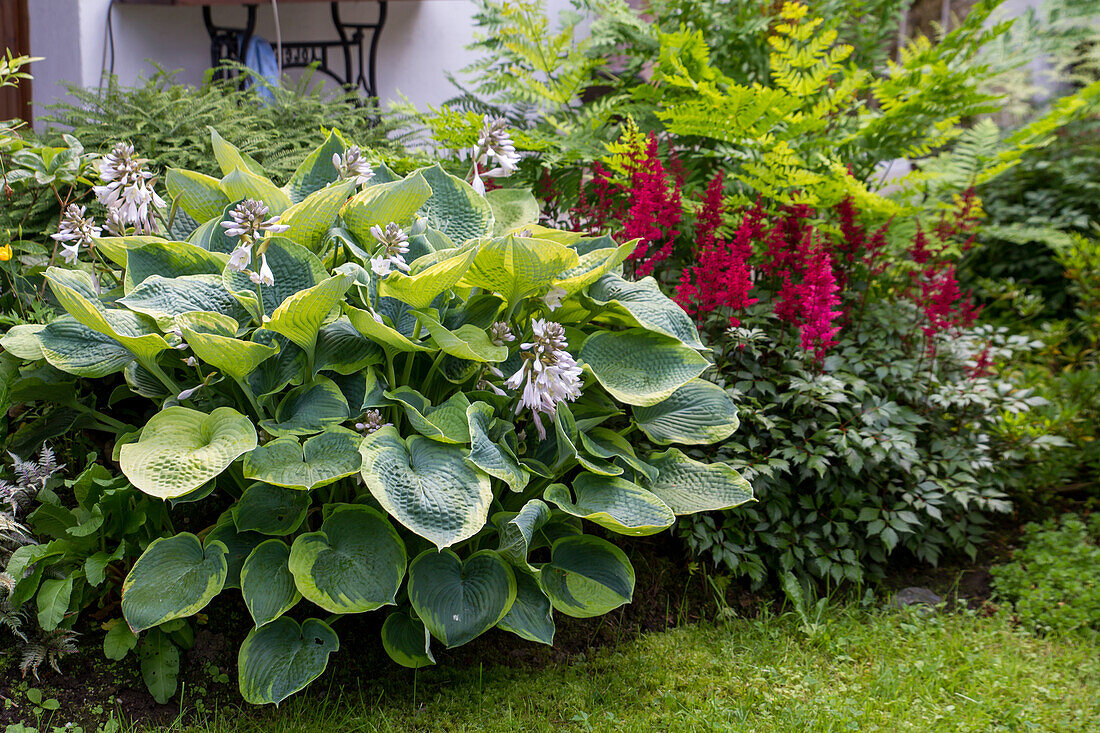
15, 34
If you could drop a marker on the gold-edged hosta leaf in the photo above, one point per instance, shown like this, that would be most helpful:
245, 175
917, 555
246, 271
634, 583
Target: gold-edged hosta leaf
115, 248
386, 337
269, 509
199, 195
230, 158
302, 314
382, 203
593, 266
281, 658
512, 208
698, 413
516, 267
174, 578
446, 422
309, 409
164, 298
168, 259
421, 288
466, 342
294, 267
311, 219
76, 349
614, 503
22, 341
266, 583
242, 184
316, 171
587, 576
455, 208
517, 531
643, 304
322, 460
640, 367
427, 486
181, 449
531, 616
488, 450
211, 337
407, 641
688, 486
460, 600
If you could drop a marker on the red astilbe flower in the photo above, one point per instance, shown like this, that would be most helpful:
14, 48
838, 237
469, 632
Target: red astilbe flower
722, 278
710, 213
654, 212
856, 245
819, 306
598, 203
944, 305
787, 242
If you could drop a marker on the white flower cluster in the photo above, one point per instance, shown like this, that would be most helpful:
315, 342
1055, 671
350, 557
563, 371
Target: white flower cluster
127, 188
495, 141
372, 422
395, 244
75, 230
352, 165
549, 374
247, 222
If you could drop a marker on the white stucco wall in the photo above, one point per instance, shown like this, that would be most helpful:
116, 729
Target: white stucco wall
421, 41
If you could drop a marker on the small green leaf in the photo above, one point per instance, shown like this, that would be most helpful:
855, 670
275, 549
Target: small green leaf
407, 640
119, 641
467, 342
531, 616
322, 460
160, 665
53, 601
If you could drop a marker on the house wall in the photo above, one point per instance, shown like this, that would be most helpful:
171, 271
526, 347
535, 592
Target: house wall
421, 41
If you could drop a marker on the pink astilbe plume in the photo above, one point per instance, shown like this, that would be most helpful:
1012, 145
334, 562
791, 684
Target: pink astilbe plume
722, 278
654, 212
819, 304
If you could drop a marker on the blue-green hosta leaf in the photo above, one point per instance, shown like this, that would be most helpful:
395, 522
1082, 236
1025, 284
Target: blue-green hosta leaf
516, 267
287, 367
168, 259
688, 486
531, 616
174, 578
488, 450
281, 658
316, 171
455, 208
407, 640
269, 509
76, 349
310, 220
587, 576
426, 486
512, 208
22, 341
421, 287
458, 601
697, 413
301, 315
244, 184
354, 564
295, 269
446, 423
181, 226
211, 338
594, 265
642, 304
640, 367
266, 583
322, 460
342, 349
199, 195
230, 158
239, 545
181, 449
383, 335
566, 440
517, 533
363, 390
309, 409
604, 443
382, 203
116, 248
466, 342
614, 503
75, 292
162, 298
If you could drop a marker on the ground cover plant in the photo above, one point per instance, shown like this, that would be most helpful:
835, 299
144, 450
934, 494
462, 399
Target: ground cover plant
364, 378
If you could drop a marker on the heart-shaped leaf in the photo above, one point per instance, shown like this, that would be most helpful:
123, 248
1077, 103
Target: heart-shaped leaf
587, 576
239, 545
200, 195
266, 582
145, 259
316, 170
594, 264
76, 349
446, 423
281, 658
181, 449
342, 349
354, 564
271, 510
515, 267
380, 204
697, 413
322, 460
174, 578
309, 409
640, 367
294, 267
458, 601
531, 616
311, 219
688, 486
162, 298
407, 640
426, 283
454, 207
300, 316
426, 486
614, 503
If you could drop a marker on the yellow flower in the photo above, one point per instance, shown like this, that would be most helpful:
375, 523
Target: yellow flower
5, 253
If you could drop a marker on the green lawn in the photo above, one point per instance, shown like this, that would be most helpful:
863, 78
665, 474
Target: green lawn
859, 671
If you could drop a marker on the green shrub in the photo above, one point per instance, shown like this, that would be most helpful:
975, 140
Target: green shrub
368, 378
1053, 580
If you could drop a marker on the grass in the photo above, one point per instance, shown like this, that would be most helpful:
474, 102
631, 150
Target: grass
854, 670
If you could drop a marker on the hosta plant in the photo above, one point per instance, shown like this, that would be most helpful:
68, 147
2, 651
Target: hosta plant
400, 394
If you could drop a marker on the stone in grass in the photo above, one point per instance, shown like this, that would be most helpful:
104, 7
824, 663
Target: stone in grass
914, 596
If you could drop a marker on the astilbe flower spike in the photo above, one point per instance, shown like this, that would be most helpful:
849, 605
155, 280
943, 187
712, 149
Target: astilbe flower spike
655, 211
722, 278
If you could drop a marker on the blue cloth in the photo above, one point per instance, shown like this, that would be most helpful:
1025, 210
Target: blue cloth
260, 57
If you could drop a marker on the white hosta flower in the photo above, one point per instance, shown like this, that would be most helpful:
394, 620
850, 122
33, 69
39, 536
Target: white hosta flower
352, 165
191, 361
263, 276
113, 224
75, 230
496, 141
395, 244
549, 374
477, 183
372, 421
500, 333
241, 258
128, 189
135, 206
247, 221
70, 251
553, 298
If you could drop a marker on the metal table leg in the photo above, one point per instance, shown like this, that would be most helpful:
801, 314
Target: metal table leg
226, 43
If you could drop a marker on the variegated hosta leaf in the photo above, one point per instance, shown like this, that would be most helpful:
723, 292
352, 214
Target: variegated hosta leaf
301, 315
587, 576
181, 449
266, 583
168, 259
75, 292
382, 334
697, 413
531, 616
426, 486
239, 545
614, 503
174, 578
458, 601
466, 342
382, 203
116, 249
211, 337
230, 158
285, 368
642, 304
199, 195
455, 208
354, 564
407, 640
244, 184
295, 269
311, 219
162, 298
363, 390
281, 658
316, 171
424, 285
22, 341
322, 460
342, 349
512, 208
594, 265
517, 532
609, 445
640, 367
76, 349
269, 509
516, 267
489, 452
309, 409
446, 423
688, 486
